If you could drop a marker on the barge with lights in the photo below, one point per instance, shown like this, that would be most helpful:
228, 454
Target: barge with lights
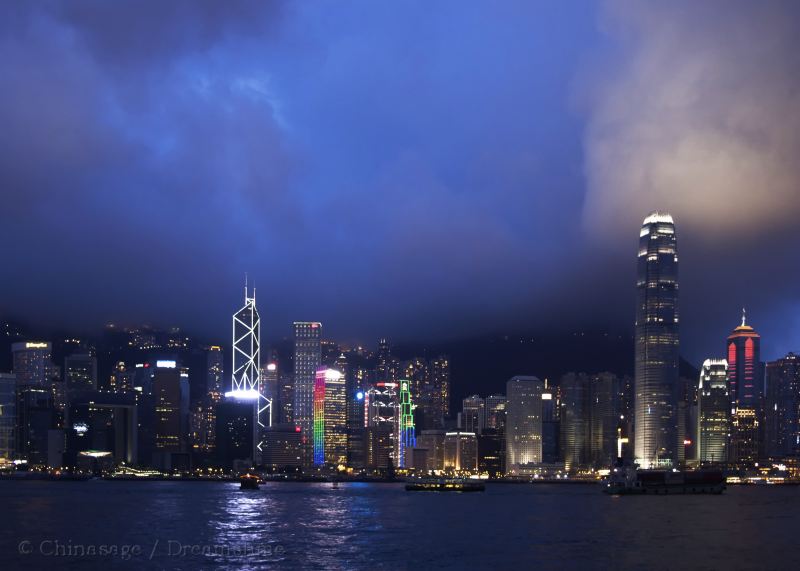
445, 485
628, 480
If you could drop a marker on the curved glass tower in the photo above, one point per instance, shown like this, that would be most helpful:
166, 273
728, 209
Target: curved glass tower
656, 338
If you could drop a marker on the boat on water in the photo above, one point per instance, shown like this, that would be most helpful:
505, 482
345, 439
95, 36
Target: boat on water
249, 482
628, 480
445, 485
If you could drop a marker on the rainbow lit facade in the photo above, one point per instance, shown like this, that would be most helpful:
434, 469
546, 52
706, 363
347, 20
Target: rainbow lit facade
319, 417
406, 437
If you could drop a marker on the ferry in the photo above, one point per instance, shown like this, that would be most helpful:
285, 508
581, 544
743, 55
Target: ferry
628, 480
445, 485
249, 482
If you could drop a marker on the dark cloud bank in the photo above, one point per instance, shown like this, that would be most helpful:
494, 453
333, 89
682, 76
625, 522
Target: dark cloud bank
424, 171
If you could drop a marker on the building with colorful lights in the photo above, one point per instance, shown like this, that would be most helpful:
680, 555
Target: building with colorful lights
744, 393
330, 418
656, 343
307, 360
406, 437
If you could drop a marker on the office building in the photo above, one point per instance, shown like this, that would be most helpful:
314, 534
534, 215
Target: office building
35, 418
32, 363
461, 452
246, 357
8, 416
782, 410
432, 441
307, 360
167, 390
281, 451
551, 424
121, 379
235, 433
330, 418
523, 422
713, 412
214, 367
496, 412
473, 414
656, 343
270, 389
102, 422
490, 452
80, 372
378, 448
744, 393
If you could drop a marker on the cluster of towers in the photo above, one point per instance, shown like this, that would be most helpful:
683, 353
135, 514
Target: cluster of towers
739, 409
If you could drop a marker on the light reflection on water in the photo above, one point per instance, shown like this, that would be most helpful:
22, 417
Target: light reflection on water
380, 526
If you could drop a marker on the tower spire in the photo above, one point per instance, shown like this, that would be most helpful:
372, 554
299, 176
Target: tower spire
744, 317
245, 286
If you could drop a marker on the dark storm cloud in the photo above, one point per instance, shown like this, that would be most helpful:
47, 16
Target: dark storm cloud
414, 170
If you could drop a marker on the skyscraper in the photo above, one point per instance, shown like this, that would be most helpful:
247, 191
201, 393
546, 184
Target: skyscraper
80, 372
246, 358
714, 412
744, 352
406, 432
656, 338
496, 412
782, 411
307, 359
32, 363
440, 381
461, 452
8, 416
330, 418
473, 414
523, 422
167, 390
214, 358
744, 392
574, 416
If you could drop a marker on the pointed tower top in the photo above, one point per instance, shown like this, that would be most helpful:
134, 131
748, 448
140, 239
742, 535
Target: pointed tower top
744, 317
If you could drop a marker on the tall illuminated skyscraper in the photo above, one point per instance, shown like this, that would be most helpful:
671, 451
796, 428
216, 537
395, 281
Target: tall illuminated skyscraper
307, 359
744, 352
744, 386
246, 350
714, 412
656, 338
523, 422
406, 435
330, 418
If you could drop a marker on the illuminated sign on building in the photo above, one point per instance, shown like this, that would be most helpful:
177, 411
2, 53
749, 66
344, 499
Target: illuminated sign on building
165, 364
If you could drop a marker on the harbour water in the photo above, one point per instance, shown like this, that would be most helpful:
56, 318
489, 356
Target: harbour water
201, 525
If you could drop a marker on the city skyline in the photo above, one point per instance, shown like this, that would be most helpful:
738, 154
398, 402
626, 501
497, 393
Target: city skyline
527, 284
484, 209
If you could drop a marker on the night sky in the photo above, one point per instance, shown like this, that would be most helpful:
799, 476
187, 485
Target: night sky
420, 170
